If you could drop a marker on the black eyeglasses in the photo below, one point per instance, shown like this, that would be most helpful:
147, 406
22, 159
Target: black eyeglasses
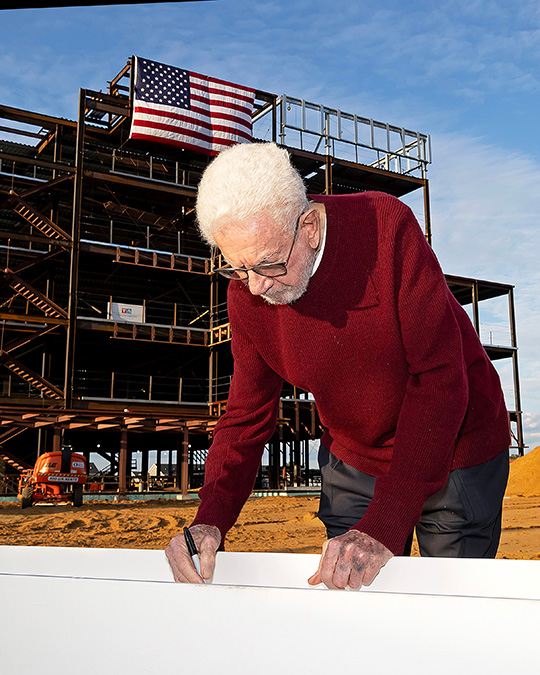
264, 269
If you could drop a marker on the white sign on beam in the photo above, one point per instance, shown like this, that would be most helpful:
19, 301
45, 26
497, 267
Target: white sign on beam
122, 311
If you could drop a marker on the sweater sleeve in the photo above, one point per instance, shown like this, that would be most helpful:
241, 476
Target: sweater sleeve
240, 434
436, 396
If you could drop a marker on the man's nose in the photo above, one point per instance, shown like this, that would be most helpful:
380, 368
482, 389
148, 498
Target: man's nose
258, 284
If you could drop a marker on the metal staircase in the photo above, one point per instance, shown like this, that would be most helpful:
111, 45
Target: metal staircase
9, 483
8, 457
28, 375
28, 292
39, 221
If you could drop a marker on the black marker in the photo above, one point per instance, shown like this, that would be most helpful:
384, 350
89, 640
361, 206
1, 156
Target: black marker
192, 549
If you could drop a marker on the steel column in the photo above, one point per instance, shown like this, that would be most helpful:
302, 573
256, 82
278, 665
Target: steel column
184, 462
475, 308
517, 394
427, 214
74, 258
122, 463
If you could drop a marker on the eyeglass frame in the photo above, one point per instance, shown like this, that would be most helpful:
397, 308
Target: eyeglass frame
227, 271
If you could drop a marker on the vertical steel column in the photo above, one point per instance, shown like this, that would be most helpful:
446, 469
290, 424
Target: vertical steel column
57, 439
476, 312
74, 259
122, 463
328, 178
306, 461
191, 462
144, 469
427, 213
274, 120
212, 358
177, 476
281, 448
517, 394
297, 458
273, 469
282, 119
184, 462
170, 468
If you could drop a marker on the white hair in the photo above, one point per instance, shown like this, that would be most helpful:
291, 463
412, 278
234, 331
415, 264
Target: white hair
248, 180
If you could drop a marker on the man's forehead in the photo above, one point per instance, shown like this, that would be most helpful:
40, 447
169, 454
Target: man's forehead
256, 243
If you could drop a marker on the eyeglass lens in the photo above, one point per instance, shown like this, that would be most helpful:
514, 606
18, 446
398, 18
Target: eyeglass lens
263, 270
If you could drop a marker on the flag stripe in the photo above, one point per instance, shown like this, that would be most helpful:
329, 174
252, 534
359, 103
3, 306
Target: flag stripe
222, 83
219, 104
220, 116
196, 133
203, 120
234, 95
198, 117
189, 110
185, 142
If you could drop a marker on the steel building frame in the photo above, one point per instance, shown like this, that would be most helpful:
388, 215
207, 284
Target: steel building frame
90, 219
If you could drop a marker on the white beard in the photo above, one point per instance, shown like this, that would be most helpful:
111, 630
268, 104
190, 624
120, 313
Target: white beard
286, 295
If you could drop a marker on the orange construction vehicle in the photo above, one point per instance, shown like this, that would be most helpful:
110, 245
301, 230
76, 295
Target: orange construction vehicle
56, 477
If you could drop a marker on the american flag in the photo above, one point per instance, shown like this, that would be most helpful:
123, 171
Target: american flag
189, 110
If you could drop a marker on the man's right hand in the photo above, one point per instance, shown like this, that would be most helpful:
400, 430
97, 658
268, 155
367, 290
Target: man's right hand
207, 538
352, 559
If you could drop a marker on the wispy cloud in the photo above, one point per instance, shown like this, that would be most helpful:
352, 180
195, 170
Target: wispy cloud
485, 220
465, 71
531, 422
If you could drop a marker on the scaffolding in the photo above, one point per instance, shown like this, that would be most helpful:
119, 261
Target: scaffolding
114, 328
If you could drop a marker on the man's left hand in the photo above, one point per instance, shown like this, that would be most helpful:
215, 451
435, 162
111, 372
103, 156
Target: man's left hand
353, 559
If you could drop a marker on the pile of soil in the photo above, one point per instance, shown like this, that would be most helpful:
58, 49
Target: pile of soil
524, 480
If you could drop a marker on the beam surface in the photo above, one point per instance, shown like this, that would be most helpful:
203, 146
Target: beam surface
87, 595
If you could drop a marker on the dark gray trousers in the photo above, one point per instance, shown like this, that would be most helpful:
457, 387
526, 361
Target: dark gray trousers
463, 520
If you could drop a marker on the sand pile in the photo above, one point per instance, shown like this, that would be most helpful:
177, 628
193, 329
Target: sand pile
524, 480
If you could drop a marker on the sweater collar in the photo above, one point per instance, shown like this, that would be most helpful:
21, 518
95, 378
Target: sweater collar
328, 263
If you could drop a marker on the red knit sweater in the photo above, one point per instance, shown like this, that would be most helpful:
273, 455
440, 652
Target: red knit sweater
403, 386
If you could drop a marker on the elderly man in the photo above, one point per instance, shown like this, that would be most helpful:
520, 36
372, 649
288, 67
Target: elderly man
342, 297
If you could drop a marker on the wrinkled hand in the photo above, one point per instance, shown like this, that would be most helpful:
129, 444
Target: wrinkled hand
353, 559
207, 538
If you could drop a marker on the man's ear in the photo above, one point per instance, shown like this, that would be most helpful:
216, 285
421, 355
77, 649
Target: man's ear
312, 224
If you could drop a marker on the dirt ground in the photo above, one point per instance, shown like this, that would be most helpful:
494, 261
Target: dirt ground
279, 524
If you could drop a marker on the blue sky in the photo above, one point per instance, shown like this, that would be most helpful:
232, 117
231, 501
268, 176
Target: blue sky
465, 72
